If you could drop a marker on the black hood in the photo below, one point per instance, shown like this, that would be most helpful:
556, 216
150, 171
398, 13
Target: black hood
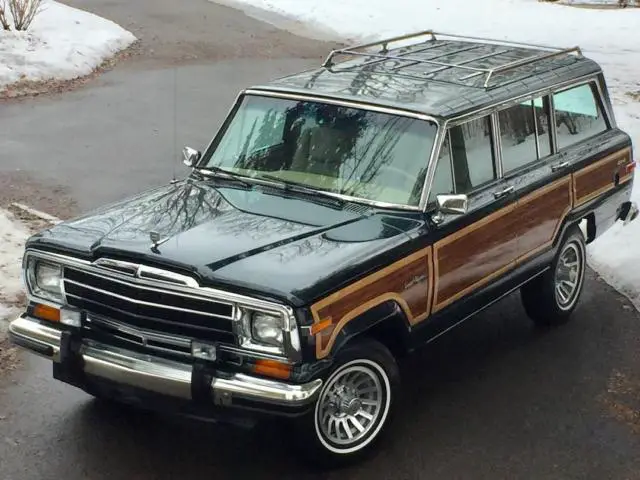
254, 240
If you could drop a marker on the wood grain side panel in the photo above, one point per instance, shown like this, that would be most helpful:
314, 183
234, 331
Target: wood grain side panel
599, 177
474, 255
408, 282
541, 214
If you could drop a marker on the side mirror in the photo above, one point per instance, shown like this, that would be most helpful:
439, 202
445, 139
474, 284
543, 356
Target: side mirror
190, 156
450, 205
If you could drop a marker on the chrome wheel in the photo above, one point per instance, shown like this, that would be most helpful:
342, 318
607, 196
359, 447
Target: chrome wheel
352, 406
569, 274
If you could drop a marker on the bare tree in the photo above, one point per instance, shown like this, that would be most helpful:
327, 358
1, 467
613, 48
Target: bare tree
4, 23
22, 12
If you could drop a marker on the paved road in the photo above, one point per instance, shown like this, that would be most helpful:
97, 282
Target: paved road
125, 130
494, 399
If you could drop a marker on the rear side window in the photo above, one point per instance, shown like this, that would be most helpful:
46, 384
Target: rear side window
517, 136
578, 115
524, 133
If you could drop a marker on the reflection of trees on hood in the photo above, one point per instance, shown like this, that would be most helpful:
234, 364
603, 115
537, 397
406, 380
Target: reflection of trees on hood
106, 219
181, 210
257, 227
317, 246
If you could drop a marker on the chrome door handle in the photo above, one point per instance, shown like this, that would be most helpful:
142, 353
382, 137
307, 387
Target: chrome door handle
504, 192
559, 166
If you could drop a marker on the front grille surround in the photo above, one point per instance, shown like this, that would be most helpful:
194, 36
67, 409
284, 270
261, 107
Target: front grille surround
130, 304
162, 309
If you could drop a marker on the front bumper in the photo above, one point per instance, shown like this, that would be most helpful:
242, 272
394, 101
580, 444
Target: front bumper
77, 360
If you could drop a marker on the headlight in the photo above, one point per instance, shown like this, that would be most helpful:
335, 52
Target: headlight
267, 329
44, 279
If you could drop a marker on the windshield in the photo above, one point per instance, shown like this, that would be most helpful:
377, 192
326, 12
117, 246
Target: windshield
349, 151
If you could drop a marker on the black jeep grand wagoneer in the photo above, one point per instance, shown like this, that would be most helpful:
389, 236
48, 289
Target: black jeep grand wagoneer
339, 219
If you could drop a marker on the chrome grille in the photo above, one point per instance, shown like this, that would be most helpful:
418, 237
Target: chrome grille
157, 317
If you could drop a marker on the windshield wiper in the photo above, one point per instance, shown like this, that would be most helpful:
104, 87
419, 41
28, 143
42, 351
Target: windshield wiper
301, 187
221, 172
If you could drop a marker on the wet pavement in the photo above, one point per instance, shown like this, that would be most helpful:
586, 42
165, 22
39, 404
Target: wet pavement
494, 399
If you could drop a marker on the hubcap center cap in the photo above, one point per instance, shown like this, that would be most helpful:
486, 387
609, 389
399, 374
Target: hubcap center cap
350, 405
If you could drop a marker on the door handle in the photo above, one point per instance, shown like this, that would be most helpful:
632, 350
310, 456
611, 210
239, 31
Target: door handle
504, 192
559, 166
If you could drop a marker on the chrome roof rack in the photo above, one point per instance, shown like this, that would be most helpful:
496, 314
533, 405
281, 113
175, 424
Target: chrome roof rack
409, 56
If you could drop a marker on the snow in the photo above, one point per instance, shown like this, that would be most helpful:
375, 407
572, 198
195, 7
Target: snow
609, 36
62, 43
13, 234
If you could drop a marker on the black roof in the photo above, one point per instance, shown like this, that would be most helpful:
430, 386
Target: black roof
439, 77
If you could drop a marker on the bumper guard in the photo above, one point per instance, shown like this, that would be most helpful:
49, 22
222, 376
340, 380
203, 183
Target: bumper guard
156, 374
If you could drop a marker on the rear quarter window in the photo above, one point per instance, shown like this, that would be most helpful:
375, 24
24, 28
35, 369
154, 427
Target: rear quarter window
578, 115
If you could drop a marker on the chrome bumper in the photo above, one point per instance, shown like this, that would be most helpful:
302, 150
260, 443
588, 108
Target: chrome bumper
156, 374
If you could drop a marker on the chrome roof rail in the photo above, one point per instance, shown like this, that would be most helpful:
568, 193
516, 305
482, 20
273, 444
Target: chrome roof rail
411, 56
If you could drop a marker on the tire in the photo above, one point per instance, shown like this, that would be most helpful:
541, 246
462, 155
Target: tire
549, 299
370, 374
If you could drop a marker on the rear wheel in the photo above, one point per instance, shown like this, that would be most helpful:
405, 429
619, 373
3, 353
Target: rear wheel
353, 407
551, 298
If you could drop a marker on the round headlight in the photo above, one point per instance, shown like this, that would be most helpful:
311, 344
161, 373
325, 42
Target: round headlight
267, 329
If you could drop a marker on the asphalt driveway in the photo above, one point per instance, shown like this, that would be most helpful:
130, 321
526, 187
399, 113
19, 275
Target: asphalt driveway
495, 399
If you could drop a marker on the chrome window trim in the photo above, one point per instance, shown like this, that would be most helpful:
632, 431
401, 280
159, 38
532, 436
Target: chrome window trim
541, 92
291, 349
553, 126
536, 127
431, 169
453, 171
345, 103
548, 90
536, 159
497, 145
600, 104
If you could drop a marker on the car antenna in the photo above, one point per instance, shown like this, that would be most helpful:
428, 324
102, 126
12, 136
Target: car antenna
175, 123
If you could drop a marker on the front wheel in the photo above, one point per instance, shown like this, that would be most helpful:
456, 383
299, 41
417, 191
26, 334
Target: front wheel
353, 407
551, 298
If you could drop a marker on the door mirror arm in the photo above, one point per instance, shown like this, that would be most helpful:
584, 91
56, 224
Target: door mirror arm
447, 204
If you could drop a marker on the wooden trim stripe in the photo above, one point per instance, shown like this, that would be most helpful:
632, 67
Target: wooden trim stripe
590, 174
566, 211
439, 304
408, 282
421, 275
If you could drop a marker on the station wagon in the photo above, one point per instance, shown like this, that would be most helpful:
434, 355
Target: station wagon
339, 219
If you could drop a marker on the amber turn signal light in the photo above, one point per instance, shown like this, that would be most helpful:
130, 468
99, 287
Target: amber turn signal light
323, 325
272, 368
46, 312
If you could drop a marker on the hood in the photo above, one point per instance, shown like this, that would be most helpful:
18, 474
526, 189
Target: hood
252, 240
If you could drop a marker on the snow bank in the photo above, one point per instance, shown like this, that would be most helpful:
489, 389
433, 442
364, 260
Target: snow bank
62, 43
12, 237
609, 36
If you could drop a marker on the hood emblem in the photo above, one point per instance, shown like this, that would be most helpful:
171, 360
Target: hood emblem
156, 240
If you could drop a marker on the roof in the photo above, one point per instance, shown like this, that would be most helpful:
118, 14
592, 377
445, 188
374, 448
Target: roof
440, 76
